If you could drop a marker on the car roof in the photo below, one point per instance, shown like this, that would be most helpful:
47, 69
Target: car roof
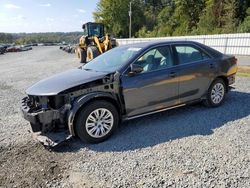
158, 42
146, 45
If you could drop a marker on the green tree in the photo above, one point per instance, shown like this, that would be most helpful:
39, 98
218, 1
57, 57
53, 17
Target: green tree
152, 18
228, 18
245, 25
114, 15
166, 22
241, 7
210, 18
186, 15
6, 38
220, 16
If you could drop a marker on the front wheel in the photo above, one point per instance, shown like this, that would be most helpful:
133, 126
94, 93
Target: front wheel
216, 93
82, 55
97, 121
92, 52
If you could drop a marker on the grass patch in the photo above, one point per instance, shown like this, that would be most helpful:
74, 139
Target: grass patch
243, 71
243, 74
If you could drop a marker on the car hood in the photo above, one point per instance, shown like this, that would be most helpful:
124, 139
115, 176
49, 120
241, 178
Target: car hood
62, 81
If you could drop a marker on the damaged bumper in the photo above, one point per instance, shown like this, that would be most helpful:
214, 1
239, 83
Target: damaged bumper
38, 118
52, 139
46, 124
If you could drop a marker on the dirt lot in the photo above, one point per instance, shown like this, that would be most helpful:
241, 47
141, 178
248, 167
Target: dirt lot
192, 146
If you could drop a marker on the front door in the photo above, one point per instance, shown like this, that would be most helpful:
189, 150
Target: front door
156, 87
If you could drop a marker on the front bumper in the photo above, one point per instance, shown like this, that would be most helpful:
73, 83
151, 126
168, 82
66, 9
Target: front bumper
44, 124
38, 118
52, 139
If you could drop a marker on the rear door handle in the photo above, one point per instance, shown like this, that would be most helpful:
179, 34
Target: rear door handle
172, 74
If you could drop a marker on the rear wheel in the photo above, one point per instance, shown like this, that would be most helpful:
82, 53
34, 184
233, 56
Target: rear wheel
216, 93
92, 52
82, 55
97, 121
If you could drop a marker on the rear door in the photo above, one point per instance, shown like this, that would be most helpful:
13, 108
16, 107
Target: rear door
195, 68
156, 87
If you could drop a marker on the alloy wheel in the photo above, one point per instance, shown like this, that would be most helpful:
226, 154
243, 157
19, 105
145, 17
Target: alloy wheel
99, 123
217, 93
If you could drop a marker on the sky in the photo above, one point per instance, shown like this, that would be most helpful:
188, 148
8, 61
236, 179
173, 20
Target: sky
45, 15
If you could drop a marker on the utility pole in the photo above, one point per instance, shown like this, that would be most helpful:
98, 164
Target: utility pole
130, 18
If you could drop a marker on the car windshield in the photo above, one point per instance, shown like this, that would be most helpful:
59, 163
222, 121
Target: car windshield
112, 60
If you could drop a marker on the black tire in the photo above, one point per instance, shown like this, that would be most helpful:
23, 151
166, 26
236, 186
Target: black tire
85, 113
209, 102
92, 53
82, 55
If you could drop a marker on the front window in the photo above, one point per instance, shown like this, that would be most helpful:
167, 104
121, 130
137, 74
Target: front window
156, 59
112, 60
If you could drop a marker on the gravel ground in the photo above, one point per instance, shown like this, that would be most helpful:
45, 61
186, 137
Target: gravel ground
192, 146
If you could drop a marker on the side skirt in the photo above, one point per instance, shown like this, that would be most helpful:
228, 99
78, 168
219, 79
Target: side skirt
162, 110
153, 112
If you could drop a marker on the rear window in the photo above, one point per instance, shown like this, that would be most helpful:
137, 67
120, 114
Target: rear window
188, 54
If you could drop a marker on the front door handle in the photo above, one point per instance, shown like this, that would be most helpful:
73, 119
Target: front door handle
172, 74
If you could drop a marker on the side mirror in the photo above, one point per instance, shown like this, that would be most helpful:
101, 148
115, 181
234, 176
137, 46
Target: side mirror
135, 69
83, 27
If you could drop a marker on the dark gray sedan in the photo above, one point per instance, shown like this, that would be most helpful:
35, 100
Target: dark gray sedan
124, 83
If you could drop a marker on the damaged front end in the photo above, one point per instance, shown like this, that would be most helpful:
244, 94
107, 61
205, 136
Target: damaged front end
52, 113
48, 118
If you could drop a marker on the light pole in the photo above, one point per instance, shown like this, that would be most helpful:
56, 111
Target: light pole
130, 18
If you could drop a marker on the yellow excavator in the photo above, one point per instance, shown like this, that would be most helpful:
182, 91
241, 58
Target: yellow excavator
93, 42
